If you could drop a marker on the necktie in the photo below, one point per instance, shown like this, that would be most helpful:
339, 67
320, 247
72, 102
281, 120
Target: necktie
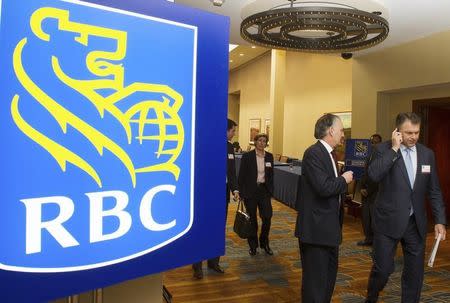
334, 155
409, 166
410, 170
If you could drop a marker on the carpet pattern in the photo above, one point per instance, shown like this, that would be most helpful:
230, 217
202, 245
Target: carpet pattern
276, 278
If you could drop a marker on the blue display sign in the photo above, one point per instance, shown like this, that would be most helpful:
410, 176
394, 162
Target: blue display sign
356, 153
98, 119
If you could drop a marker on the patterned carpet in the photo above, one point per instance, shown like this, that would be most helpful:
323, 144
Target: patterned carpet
264, 278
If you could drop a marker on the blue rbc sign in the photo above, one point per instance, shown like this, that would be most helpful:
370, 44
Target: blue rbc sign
98, 121
356, 153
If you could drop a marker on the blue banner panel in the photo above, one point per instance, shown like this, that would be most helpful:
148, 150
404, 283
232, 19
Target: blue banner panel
103, 118
356, 153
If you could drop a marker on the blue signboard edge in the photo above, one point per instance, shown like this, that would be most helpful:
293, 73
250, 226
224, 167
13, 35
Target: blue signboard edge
212, 84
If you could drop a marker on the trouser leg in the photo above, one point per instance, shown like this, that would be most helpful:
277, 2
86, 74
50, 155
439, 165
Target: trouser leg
384, 249
265, 213
319, 271
366, 220
413, 255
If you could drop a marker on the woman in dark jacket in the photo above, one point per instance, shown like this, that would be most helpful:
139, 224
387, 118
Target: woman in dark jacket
256, 188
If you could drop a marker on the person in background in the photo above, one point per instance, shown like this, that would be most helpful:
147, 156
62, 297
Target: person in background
237, 147
368, 193
256, 188
406, 173
231, 186
320, 213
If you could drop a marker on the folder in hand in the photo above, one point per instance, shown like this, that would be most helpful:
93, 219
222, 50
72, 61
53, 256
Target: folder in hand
434, 250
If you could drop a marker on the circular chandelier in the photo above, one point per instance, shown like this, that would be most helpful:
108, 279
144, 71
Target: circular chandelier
315, 28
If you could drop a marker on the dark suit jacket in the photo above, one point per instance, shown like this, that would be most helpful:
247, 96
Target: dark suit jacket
231, 171
319, 219
393, 201
248, 174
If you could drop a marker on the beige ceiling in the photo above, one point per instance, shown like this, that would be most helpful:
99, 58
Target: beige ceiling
243, 54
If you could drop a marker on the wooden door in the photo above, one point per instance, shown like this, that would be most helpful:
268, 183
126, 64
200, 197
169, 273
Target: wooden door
439, 141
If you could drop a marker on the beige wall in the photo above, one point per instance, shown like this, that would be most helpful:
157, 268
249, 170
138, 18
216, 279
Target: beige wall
374, 87
396, 102
253, 83
424, 62
314, 84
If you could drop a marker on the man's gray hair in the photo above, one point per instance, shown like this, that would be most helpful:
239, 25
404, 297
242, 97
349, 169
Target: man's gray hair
323, 124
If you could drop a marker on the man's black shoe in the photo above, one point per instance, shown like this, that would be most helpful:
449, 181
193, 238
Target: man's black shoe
198, 274
252, 251
364, 243
267, 250
217, 268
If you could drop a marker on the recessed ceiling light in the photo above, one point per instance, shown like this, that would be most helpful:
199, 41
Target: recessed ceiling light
253, 46
241, 54
231, 47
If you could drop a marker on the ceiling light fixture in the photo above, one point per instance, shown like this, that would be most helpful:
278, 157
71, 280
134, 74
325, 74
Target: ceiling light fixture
217, 2
315, 26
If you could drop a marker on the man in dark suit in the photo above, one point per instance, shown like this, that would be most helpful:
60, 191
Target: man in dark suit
406, 173
256, 187
231, 186
368, 191
320, 213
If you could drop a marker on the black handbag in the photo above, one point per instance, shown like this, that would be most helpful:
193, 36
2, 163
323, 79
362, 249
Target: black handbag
242, 225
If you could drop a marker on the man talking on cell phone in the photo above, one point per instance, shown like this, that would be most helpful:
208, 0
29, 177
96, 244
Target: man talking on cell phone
405, 171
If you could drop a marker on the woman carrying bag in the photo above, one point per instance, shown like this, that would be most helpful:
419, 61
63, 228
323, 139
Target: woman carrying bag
256, 188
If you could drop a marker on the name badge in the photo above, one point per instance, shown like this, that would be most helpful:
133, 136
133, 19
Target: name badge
230, 156
426, 169
268, 164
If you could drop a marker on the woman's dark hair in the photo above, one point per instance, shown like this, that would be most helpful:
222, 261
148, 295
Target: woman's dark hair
376, 136
323, 124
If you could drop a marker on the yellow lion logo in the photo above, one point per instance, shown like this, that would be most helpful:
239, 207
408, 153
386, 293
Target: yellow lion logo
110, 76
361, 147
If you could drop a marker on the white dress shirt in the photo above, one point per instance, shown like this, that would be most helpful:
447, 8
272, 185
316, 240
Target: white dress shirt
260, 163
330, 149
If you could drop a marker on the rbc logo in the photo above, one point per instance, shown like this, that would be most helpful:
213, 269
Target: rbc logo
361, 149
99, 165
